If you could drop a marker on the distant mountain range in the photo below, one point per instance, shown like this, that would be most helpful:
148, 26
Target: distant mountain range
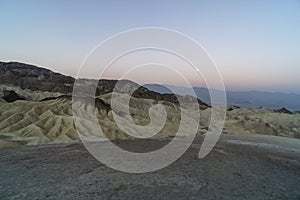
250, 99
29, 77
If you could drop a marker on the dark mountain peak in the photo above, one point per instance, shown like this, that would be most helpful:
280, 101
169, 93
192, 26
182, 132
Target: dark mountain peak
283, 110
26, 69
36, 78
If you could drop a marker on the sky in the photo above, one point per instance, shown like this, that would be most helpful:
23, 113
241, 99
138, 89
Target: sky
255, 44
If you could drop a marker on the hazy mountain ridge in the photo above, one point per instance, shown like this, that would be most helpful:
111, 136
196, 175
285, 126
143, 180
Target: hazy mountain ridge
250, 99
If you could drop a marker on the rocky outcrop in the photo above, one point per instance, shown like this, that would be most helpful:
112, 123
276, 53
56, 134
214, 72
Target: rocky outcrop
11, 96
283, 110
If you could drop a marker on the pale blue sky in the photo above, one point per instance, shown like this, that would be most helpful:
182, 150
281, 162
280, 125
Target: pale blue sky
256, 44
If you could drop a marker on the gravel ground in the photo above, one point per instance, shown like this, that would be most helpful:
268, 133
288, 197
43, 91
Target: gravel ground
239, 167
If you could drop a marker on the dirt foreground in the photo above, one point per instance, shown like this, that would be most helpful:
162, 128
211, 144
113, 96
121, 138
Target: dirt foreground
239, 167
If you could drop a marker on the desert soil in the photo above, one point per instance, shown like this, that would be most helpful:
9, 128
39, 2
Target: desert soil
239, 167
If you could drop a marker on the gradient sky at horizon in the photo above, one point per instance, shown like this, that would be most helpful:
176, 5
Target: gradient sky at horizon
255, 44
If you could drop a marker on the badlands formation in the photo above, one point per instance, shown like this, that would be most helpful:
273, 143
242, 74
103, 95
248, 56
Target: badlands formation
36, 108
51, 121
25, 122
